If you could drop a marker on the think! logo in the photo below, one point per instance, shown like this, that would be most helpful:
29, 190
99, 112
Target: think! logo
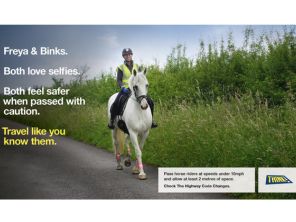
277, 179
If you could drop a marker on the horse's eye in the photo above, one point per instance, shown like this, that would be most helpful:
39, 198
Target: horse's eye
136, 87
147, 85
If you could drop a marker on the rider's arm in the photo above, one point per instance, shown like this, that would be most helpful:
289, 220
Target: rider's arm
119, 78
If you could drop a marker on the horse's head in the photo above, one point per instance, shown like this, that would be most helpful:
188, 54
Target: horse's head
138, 83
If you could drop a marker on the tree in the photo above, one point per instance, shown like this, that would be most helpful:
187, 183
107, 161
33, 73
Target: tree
83, 73
57, 82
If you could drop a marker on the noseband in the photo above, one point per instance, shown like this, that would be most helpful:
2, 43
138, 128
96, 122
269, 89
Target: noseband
139, 98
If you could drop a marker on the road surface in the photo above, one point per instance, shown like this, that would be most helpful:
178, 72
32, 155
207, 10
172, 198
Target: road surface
74, 170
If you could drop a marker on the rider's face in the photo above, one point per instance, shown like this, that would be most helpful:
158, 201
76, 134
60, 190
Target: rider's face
128, 57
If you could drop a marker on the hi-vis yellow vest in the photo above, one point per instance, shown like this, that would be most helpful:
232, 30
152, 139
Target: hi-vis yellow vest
126, 73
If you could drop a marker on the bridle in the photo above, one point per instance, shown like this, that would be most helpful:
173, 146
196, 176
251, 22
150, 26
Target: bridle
139, 98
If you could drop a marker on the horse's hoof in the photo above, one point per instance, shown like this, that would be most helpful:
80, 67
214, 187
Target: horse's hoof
135, 170
119, 167
142, 176
127, 163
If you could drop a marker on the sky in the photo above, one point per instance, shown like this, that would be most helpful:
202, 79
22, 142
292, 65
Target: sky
100, 46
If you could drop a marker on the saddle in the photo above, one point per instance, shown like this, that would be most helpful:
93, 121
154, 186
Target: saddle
119, 109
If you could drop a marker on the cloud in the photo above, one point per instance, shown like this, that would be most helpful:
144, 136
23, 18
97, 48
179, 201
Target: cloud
109, 40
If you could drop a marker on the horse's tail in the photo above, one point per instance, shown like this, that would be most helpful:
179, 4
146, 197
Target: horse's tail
121, 140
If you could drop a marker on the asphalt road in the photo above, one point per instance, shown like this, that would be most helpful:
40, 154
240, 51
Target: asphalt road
74, 170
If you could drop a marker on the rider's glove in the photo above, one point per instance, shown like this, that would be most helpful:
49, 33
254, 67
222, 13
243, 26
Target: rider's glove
124, 90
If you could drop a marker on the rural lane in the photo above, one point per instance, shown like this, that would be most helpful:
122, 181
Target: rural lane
74, 170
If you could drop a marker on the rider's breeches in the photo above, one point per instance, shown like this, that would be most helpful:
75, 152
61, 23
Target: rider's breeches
151, 104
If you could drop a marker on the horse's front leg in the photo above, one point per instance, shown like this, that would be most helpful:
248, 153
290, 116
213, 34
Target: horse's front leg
143, 139
116, 148
139, 163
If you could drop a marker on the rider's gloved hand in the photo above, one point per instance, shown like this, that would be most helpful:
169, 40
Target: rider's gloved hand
125, 90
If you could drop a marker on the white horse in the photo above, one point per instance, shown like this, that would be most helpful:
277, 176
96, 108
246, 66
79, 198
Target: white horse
138, 119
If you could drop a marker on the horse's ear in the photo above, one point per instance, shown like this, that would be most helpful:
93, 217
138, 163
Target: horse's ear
145, 70
135, 72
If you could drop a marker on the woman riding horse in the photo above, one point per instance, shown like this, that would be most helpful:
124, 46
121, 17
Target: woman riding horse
137, 118
123, 73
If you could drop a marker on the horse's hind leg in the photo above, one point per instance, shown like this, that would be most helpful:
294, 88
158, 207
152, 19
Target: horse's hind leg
127, 162
116, 149
134, 140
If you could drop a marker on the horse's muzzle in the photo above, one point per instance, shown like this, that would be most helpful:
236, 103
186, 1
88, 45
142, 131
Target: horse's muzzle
144, 104
143, 101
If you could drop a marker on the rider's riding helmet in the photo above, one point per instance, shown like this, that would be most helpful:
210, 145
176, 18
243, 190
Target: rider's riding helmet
126, 51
